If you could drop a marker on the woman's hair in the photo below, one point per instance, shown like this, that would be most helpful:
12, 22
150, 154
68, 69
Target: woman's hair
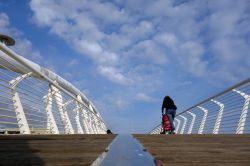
167, 101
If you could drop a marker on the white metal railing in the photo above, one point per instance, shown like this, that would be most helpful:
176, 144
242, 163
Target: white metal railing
224, 113
33, 98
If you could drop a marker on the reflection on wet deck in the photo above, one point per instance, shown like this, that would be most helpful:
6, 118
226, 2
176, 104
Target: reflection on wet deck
127, 151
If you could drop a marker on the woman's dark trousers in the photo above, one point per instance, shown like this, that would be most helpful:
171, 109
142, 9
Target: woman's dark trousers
171, 114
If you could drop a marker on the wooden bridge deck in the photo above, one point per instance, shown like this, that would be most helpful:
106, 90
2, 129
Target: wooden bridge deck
52, 149
181, 150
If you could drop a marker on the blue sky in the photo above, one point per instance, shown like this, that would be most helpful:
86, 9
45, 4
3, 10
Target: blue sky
127, 55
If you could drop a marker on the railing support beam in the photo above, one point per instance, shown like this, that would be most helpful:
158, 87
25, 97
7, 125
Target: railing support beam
51, 123
219, 117
68, 129
184, 124
200, 131
178, 124
77, 118
243, 116
83, 114
21, 118
192, 122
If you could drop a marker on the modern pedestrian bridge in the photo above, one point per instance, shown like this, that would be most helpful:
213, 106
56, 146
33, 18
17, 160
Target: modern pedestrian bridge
45, 120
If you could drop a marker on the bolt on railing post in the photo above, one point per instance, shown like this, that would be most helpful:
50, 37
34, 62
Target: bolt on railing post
184, 124
200, 131
192, 122
243, 116
219, 117
21, 117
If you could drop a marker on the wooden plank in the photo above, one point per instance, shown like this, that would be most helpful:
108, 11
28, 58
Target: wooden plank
52, 149
211, 149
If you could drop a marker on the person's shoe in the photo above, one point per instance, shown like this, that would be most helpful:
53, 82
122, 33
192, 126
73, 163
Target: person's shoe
172, 132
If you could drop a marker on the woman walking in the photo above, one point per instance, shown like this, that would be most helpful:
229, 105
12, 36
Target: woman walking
170, 110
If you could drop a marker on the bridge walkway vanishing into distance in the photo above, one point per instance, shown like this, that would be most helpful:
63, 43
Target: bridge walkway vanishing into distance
173, 150
54, 123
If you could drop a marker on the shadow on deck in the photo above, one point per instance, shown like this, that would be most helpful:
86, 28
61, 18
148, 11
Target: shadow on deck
52, 149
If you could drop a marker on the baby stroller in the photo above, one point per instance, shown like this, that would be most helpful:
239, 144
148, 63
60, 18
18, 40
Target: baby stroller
166, 128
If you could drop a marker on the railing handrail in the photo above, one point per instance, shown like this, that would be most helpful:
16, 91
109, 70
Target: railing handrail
30, 65
241, 88
214, 96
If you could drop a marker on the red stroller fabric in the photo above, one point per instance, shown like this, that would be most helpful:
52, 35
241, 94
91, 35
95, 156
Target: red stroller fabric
165, 123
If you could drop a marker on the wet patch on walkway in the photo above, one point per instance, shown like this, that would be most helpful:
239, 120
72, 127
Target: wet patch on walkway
125, 150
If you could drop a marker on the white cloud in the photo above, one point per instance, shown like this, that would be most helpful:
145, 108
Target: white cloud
196, 37
145, 98
96, 52
148, 50
191, 57
167, 39
72, 63
114, 75
113, 102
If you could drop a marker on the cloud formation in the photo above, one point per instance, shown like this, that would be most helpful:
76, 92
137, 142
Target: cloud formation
199, 36
153, 48
145, 98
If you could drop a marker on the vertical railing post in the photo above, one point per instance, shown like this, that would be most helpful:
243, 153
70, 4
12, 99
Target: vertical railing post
159, 129
21, 118
98, 126
51, 123
104, 128
178, 124
89, 122
184, 124
243, 116
101, 127
219, 117
83, 114
69, 126
200, 131
192, 122
85, 120
62, 110
93, 124
77, 118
